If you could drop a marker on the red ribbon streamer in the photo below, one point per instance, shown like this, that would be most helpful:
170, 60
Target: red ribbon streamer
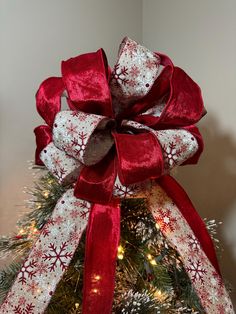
102, 239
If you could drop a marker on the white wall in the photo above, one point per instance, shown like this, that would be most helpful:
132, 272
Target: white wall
34, 37
200, 37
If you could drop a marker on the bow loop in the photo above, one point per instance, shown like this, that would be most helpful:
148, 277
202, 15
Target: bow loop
43, 135
86, 137
86, 79
48, 98
139, 157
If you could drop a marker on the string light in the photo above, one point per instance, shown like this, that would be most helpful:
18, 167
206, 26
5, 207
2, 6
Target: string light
152, 261
76, 305
38, 206
160, 295
45, 194
121, 252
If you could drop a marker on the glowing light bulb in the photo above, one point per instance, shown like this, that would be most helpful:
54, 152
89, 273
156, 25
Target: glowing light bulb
149, 256
120, 256
76, 305
46, 193
21, 231
120, 249
153, 262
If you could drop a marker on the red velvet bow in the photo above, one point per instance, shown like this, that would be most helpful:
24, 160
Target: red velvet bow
138, 157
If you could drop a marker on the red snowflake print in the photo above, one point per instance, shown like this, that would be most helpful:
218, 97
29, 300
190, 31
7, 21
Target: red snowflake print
125, 191
68, 148
83, 214
59, 173
196, 271
152, 64
177, 139
74, 113
74, 235
41, 268
119, 75
22, 301
216, 280
221, 309
58, 256
134, 71
183, 148
130, 47
8, 302
193, 242
32, 287
132, 83
79, 144
27, 271
71, 129
58, 220
171, 154
74, 213
38, 252
83, 116
57, 161
45, 231
165, 221
24, 309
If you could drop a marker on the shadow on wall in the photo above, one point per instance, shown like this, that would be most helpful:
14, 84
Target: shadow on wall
211, 186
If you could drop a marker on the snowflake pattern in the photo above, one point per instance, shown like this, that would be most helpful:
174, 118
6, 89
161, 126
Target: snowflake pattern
125, 191
206, 281
72, 129
49, 258
28, 271
170, 154
196, 270
134, 73
32, 287
27, 309
79, 143
119, 75
193, 242
166, 221
60, 164
58, 256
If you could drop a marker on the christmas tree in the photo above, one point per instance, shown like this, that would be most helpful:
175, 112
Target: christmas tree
114, 234
150, 277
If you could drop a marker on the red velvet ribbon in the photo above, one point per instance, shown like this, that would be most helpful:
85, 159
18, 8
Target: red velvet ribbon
102, 239
135, 158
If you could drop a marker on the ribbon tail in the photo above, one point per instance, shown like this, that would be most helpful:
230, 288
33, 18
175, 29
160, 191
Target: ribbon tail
102, 239
181, 199
186, 232
49, 257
